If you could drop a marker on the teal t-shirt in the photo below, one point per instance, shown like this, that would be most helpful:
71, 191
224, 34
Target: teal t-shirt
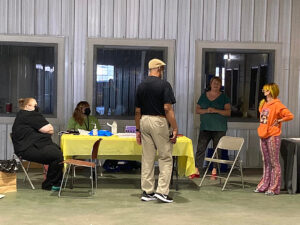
213, 121
88, 124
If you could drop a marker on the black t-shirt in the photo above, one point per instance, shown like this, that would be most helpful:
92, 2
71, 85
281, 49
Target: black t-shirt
25, 131
152, 94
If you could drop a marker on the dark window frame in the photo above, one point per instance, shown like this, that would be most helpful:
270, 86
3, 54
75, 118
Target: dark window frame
58, 116
125, 44
271, 67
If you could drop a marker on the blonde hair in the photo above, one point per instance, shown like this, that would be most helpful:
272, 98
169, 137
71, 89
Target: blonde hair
23, 102
274, 91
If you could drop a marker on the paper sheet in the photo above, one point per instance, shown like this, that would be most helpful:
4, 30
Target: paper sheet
83, 132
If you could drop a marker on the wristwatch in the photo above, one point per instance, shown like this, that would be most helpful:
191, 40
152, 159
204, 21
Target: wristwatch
137, 130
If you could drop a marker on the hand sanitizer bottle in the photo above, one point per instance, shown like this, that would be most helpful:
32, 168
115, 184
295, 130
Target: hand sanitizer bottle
95, 131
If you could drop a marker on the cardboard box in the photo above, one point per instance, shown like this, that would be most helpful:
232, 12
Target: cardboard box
8, 182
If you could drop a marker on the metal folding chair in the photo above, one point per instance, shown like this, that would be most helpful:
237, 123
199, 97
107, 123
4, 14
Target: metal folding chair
19, 160
230, 144
71, 163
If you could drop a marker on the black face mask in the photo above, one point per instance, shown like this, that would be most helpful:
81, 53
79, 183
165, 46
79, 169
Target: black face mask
36, 108
87, 111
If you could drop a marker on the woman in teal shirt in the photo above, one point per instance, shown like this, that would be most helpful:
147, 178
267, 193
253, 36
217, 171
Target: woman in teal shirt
214, 108
81, 118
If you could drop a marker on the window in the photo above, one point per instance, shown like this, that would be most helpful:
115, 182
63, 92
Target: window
117, 68
243, 74
27, 70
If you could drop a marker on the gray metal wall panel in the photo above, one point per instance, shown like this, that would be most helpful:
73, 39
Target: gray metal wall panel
222, 20
132, 19
41, 17
247, 20
171, 19
158, 19
182, 64
234, 33
243, 155
145, 15
94, 18
55, 17
120, 18
14, 16
195, 34
10, 147
107, 19
196, 20
3, 134
209, 20
182, 20
253, 155
260, 15
80, 36
3, 16
272, 21
28, 17
285, 8
67, 30
294, 78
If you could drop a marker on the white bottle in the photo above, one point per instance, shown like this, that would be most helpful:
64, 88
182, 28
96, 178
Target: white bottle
114, 127
95, 131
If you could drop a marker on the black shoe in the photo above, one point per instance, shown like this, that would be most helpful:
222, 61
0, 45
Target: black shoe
47, 188
163, 198
148, 197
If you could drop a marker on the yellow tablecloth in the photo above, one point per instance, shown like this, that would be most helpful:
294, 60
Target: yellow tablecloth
115, 147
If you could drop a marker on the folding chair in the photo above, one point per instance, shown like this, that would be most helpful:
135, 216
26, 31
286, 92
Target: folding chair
230, 144
19, 160
71, 163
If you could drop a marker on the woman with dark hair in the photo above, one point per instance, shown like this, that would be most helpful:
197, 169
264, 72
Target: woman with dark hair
82, 119
214, 108
272, 114
31, 136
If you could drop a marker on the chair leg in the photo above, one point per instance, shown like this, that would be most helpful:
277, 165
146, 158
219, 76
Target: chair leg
96, 178
176, 172
204, 174
27, 169
62, 182
92, 181
227, 178
241, 170
100, 167
26, 175
67, 169
219, 172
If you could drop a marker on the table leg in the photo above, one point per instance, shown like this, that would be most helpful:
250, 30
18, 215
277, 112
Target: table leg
175, 170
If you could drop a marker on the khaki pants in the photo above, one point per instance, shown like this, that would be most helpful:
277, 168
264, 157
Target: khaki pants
155, 136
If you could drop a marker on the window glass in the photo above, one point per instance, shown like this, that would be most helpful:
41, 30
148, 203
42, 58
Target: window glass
118, 72
243, 75
27, 70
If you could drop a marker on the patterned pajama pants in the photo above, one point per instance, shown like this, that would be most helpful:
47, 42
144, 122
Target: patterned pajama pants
271, 179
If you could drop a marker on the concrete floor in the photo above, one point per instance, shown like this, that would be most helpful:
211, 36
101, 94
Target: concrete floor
117, 201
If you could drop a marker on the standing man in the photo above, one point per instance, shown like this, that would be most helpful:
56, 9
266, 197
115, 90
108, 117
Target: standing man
156, 130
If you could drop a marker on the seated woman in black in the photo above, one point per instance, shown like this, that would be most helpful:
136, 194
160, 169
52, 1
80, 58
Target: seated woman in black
31, 136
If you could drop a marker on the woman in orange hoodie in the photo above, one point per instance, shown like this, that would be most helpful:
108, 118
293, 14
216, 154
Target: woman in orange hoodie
272, 114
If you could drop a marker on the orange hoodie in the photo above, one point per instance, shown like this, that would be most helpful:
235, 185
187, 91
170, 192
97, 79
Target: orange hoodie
268, 114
